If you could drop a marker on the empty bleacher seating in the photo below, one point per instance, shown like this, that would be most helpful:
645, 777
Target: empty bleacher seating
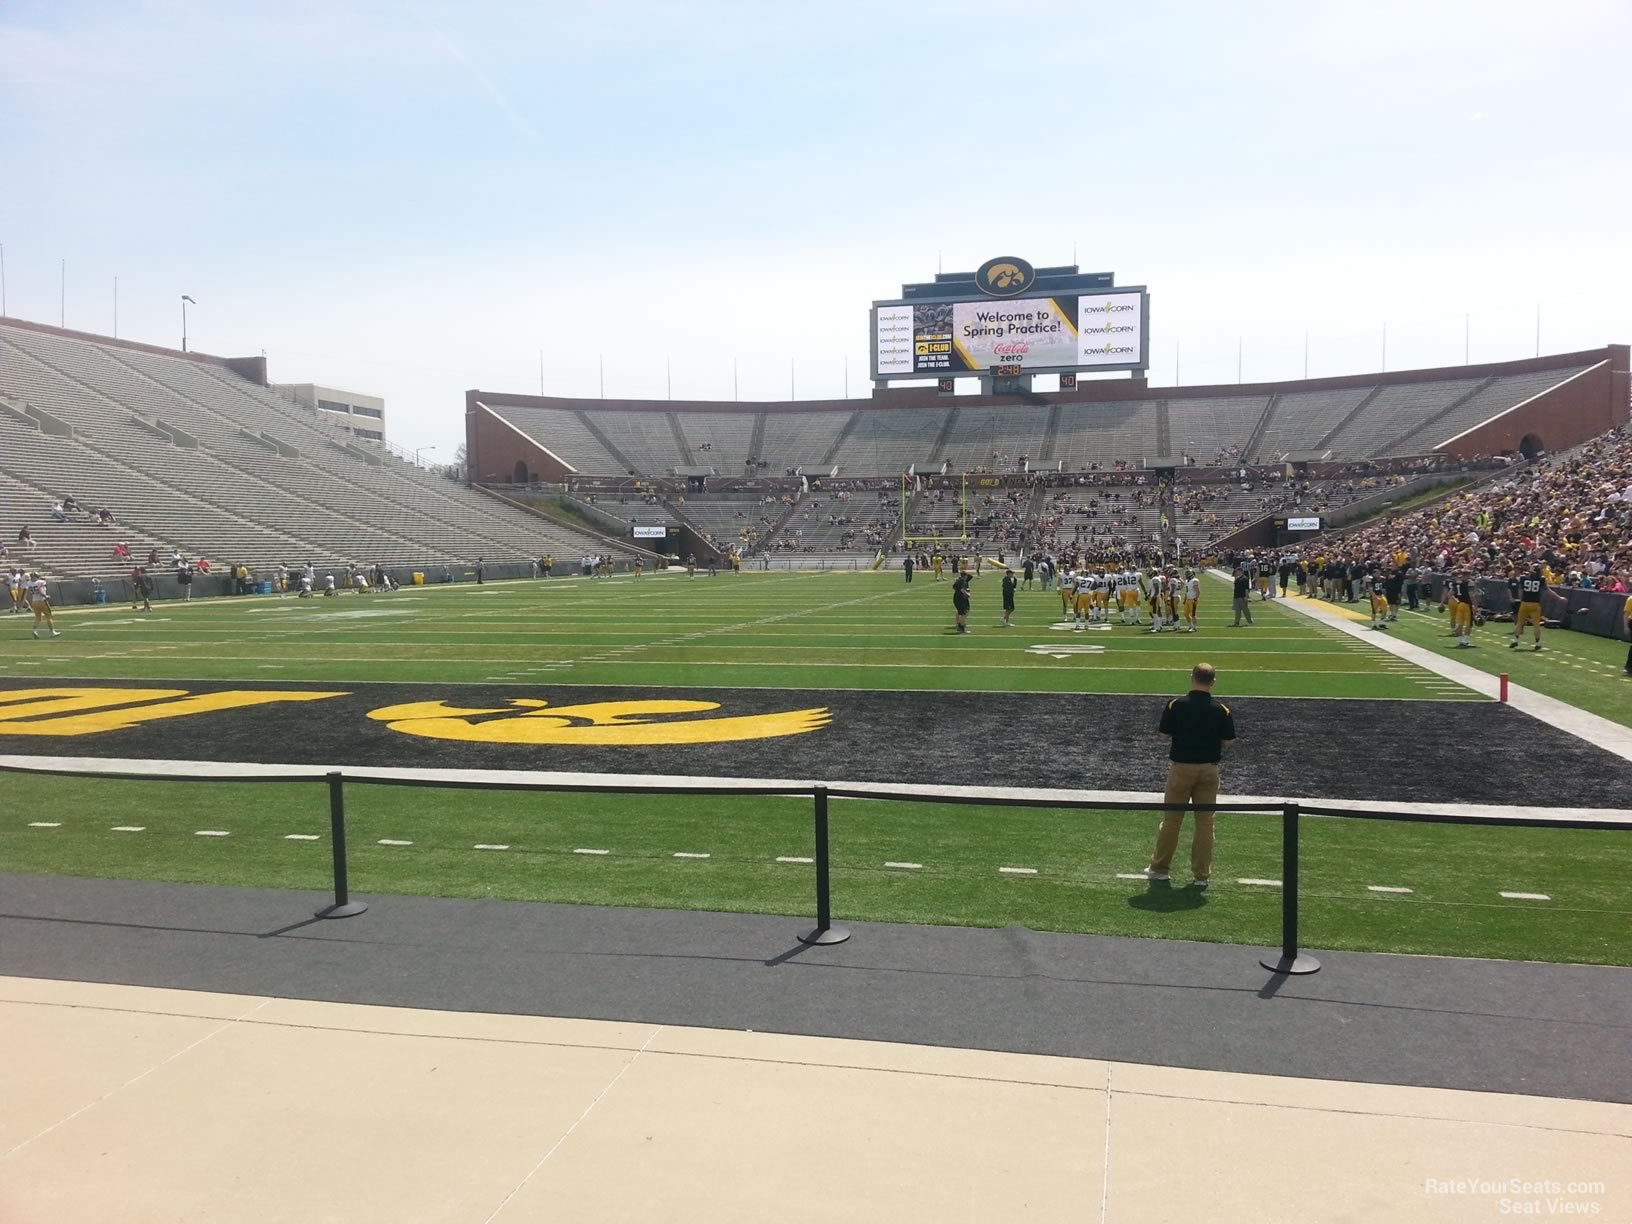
257, 480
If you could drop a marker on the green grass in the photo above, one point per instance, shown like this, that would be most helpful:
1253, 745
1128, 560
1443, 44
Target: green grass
1456, 872
834, 631
1578, 668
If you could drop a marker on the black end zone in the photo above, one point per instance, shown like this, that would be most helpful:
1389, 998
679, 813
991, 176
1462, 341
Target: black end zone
1381, 750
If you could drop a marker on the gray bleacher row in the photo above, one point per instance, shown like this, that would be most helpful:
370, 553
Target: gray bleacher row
809, 531
646, 440
719, 522
235, 496
1395, 419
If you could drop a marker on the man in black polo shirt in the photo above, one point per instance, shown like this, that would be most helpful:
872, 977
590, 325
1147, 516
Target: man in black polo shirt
1198, 728
1238, 598
960, 601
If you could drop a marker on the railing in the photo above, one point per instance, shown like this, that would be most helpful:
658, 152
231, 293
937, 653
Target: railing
1291, 959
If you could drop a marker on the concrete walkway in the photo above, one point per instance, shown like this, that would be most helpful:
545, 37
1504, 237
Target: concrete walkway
138, 1104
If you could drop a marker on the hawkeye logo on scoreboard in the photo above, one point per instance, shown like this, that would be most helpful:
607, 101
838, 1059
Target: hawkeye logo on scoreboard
593, 724
90, 711
1005, 276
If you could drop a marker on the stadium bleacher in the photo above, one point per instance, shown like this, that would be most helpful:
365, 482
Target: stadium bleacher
1298, 420
192, 458
730, 522
1205, 428
1103, 434
720, 440
994, 439
1385, 419
885, 441
1499, 395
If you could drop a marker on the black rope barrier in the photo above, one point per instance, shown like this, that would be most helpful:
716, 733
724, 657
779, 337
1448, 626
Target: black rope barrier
1291, 961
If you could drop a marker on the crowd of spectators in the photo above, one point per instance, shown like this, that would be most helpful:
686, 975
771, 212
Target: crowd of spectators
1572, 514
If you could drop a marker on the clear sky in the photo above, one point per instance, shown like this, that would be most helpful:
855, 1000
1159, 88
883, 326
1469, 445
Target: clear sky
412, 199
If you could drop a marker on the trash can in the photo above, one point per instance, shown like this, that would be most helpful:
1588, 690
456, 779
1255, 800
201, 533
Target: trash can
419, 578
264, 588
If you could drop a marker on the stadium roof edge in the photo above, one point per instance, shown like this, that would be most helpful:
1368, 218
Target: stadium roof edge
232, 364
1093, 391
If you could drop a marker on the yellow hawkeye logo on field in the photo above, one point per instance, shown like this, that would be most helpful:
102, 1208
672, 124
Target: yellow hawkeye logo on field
89, 711
593, 724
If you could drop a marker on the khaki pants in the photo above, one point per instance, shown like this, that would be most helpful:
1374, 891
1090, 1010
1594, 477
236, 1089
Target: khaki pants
1188, 784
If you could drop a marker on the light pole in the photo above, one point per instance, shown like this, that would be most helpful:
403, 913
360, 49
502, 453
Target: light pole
420, 450
184, 300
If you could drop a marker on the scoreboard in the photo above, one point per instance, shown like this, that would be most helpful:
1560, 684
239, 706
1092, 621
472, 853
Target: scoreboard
972, 327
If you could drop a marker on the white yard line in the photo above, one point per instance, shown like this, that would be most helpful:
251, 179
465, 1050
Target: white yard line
1600, 732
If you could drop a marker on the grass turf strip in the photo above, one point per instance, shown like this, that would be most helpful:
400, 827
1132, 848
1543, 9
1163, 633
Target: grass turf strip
1579, 668
755, 631
1456, 873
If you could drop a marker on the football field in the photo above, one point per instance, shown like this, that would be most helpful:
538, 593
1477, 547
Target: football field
795, 631
815, 676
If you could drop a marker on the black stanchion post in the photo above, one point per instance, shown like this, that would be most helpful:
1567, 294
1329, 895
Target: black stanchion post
1290, 961
344, 906
825, 932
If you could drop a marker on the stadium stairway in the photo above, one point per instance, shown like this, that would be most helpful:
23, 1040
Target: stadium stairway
680, 443
1255, 439
1051, 435
596, 432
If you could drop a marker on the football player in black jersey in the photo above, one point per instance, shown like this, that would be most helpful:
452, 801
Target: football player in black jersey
1461, 588
1377, 584
1527, 592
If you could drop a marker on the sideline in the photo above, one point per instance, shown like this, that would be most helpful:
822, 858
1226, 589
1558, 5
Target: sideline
1594, 729
227, 771
256, 599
